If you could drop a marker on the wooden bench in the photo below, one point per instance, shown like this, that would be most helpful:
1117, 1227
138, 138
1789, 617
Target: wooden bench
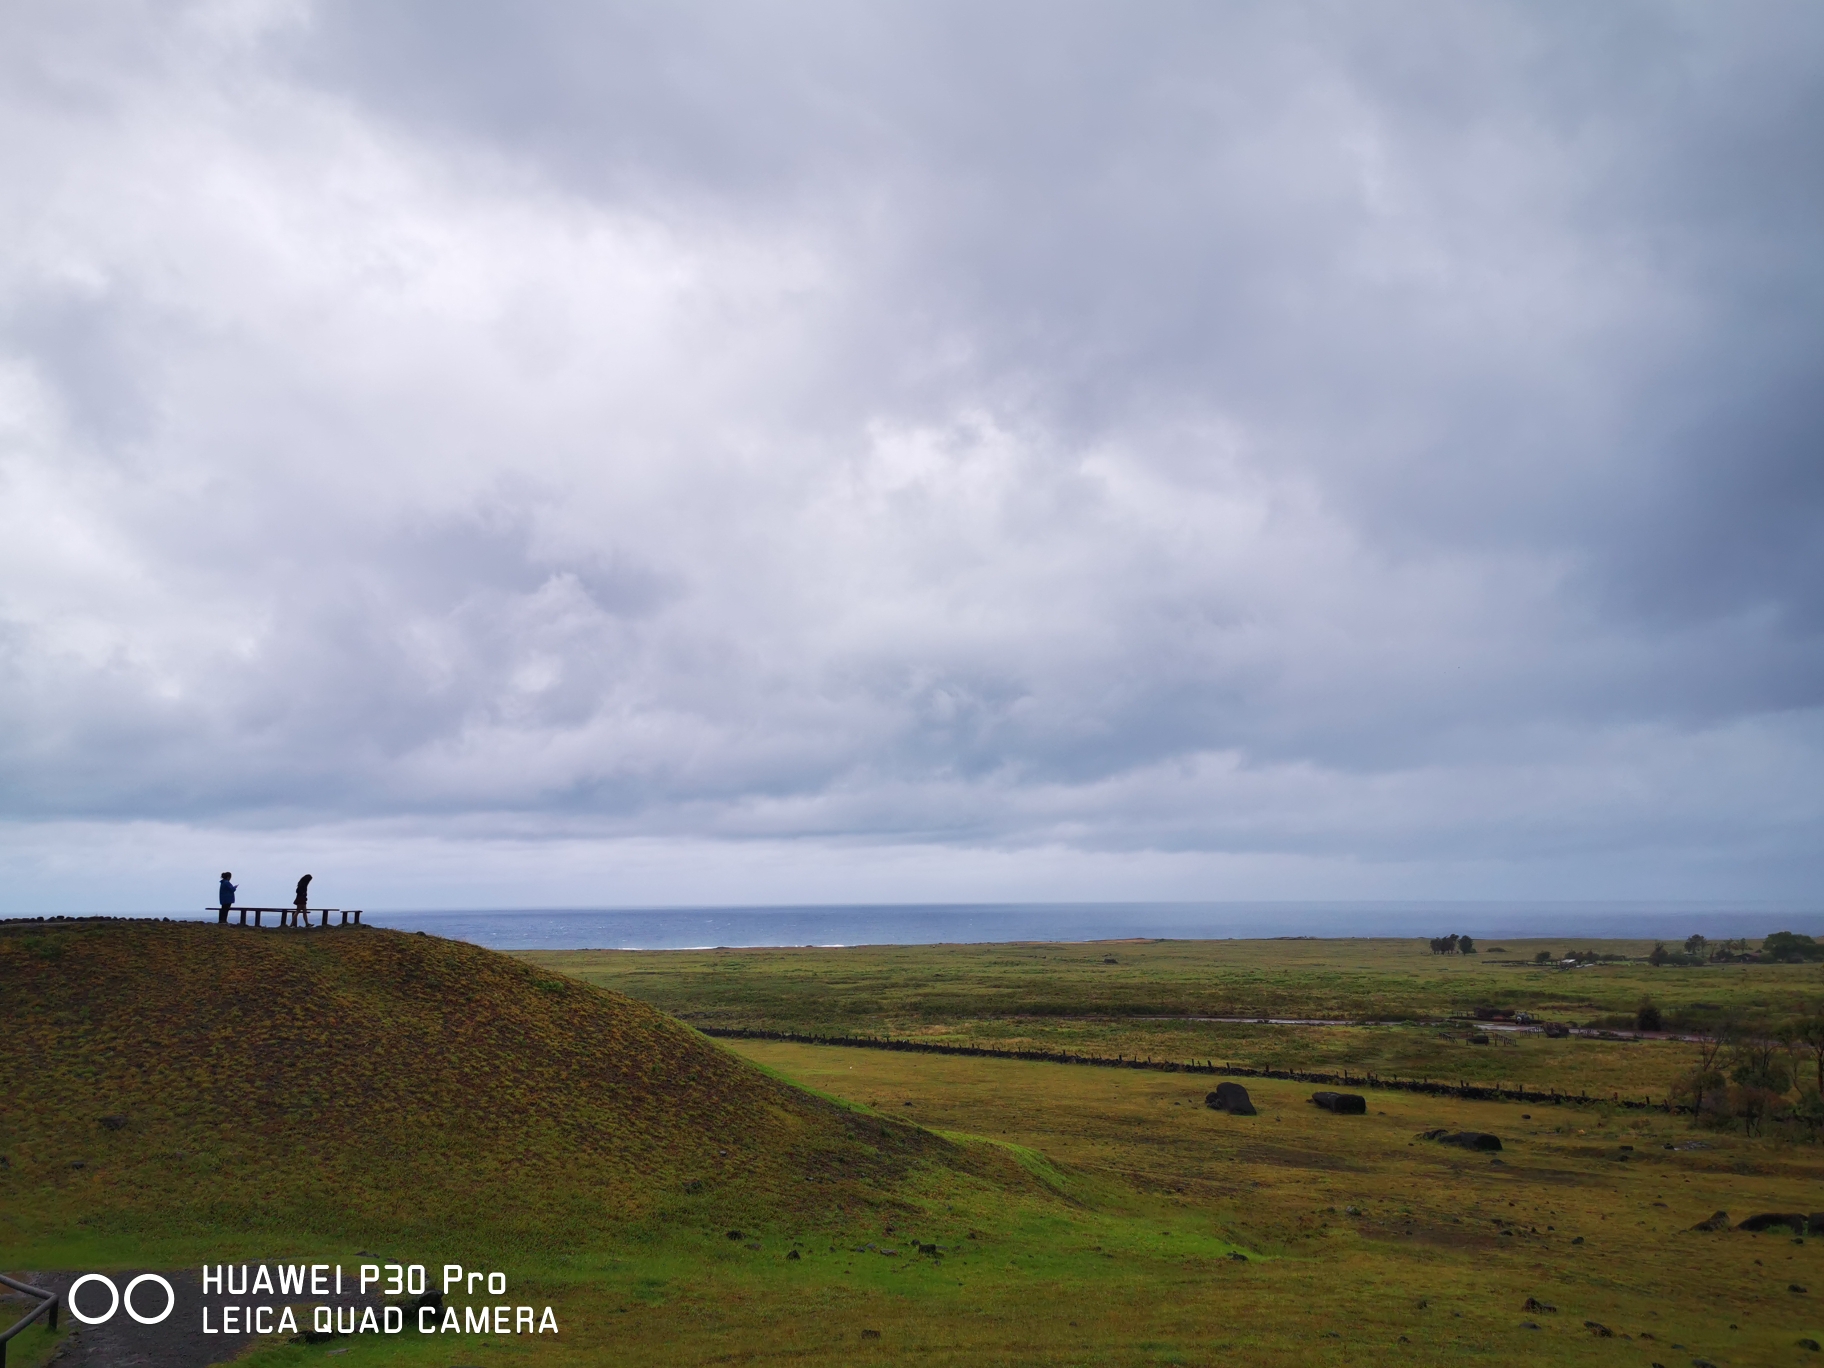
288, 916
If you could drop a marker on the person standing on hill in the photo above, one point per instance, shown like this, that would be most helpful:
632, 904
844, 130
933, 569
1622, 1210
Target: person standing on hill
226, 893
302, 901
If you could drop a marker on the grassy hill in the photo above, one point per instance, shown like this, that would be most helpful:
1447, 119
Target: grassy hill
178, 1081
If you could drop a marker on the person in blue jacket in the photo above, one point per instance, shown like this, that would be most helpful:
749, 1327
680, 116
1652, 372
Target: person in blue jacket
227, 896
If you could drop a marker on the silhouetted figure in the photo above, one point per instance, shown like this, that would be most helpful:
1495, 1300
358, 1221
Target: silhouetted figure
227, 896
302, 901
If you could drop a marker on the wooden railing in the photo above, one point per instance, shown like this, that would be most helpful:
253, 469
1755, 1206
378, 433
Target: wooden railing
288, 916
47, 1307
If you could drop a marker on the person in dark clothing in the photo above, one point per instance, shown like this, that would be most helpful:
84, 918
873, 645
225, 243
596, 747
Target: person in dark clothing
302, 901
227, 896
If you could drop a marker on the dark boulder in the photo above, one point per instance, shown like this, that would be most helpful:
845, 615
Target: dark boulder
1816, 1223
1770, 1220
1343, 1104
1556, 1030
1719, 1221
1232, 1098
1474, 1140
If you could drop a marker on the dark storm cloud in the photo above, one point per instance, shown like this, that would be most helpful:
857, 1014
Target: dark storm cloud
1379, 434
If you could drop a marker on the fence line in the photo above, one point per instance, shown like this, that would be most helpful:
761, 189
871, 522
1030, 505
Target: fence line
1428, 1086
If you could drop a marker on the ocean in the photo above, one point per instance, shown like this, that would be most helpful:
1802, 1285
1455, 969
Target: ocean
673, 928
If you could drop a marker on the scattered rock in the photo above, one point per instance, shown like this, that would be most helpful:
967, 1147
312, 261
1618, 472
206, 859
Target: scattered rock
1794, 1287
1534, 1304
870, 1334
1577, 1240
114, 1122
1238, 1256
736, 1235
1470, 1140
1341, 1104
1810, 1344
793, 1256
1598, 1329
1815, 1223
1529, 1325
1767, 1220
1720, 1221
79, 1163
1232, 1098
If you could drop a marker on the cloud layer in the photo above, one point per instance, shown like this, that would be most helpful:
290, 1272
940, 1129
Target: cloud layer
808, 451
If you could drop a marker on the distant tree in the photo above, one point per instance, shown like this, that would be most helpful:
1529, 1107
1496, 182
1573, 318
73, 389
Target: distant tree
1694, 946
1646, 1016
1805, 1037
1659, 954
1704, 1087
1759, 1079
1543, 957
1466, 945
1791, 948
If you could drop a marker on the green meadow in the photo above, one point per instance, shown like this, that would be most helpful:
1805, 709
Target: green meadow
1158, 1000
677, 1199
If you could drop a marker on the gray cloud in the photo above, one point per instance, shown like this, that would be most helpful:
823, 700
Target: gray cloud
1378, 438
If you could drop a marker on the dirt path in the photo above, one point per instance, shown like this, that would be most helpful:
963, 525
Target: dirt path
176, 1342
122, 1342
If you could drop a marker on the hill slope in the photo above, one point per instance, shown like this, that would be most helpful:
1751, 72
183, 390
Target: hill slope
374, 1083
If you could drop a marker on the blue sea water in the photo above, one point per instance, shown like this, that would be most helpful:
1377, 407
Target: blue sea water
961, 923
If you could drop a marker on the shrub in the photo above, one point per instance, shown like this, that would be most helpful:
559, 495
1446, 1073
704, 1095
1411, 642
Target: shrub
1789, 947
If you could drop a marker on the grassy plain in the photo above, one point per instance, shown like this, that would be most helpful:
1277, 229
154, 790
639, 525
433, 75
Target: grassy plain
1156, 999
322, 1095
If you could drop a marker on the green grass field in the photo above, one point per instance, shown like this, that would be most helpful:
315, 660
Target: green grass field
316, 1095
1146, 999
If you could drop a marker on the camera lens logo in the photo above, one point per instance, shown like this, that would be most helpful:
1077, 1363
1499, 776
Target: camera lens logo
118, 1299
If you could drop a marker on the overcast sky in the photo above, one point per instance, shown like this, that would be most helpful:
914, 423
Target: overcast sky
571, 453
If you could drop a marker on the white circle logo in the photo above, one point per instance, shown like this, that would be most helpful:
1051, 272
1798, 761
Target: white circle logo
113, 1294
170, 1298
116, 1299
